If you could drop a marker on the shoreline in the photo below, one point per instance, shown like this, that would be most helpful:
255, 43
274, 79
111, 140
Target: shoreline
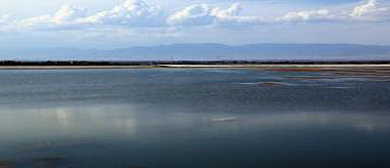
363, 70
227, 66
276, 66
68, 67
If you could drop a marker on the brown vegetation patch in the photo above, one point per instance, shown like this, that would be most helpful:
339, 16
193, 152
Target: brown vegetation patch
297, 69
272, 84
303, 77
5, 164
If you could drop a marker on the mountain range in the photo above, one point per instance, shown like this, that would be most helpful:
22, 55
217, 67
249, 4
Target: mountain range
209, 51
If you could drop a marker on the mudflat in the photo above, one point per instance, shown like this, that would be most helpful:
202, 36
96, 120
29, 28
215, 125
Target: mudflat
336, 69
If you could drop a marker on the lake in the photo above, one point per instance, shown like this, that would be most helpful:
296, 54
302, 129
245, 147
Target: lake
163, 118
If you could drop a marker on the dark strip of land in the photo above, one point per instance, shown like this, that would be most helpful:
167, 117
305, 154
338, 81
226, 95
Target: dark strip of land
361, 68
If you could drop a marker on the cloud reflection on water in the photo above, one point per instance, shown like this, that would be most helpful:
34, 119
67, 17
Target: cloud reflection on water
127, 128
119, 121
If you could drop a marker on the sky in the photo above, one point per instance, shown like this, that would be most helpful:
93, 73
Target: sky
113, 24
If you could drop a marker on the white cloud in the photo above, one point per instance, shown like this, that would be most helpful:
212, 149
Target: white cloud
231, 16
203, 14
133, 13
193, 15
142, 14
370, 11
34, 22
322, 14
4, 18
68, 14
65, 18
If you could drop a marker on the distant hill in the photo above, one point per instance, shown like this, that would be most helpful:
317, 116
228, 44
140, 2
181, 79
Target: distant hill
209, 51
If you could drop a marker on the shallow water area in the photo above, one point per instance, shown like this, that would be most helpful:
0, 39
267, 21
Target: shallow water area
192, 118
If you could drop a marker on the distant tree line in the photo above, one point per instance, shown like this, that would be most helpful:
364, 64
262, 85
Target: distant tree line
75, 63
156, 63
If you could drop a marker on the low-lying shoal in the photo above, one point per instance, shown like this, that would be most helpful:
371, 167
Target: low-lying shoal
338, 69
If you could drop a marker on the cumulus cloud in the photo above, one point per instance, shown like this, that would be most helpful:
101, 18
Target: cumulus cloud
134, 13
143, 14
131, 13
65, 18
197, 15
231, 16
193, 15
322, 14
204, 14
4, 18
68, 14
370, 11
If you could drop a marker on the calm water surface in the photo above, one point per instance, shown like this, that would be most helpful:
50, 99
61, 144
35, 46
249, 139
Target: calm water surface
192, 118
